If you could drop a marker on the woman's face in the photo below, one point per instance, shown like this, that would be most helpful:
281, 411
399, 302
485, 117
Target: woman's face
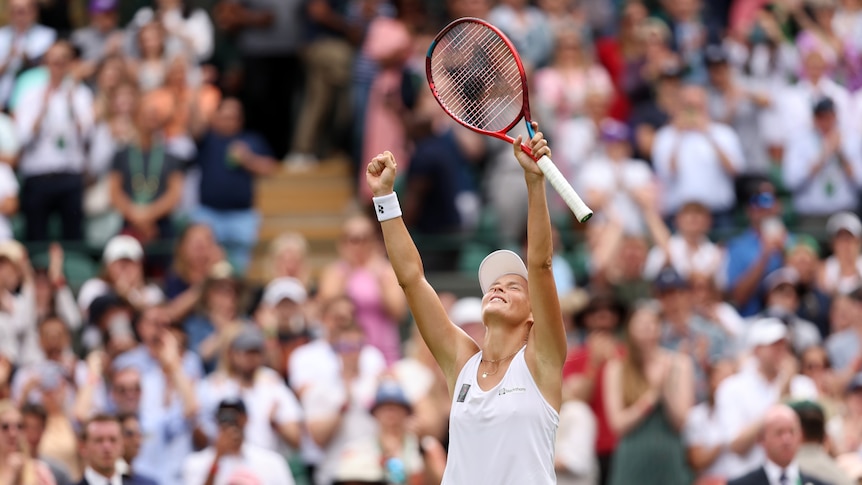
842, 314
805, 262
126, 270
125, 100
222, 298
569, 45
815, 363
110, 75
151, 41
507, 296
644, 329
11, 425
845, 246
198, 245
357, 241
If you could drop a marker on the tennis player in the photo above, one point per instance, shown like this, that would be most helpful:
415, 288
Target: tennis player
505, 397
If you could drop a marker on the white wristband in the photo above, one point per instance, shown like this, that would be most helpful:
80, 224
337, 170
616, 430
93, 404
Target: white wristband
387, 207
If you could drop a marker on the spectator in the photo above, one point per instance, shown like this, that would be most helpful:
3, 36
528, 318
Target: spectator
735, 101
689, 251
823, 168
282, 316
218, 316
575, 460
708, 303
123, 274
756, 252
781, 439
364, 274
646, 407
22, 43
586, 366
526, 25
123, 395
327, 60
289, 257
782, 302
687, 332
845, 347
168, 403
229, 159
189, 29
110, 326
611, 180
273, 414
151, 65
814, 363
132, 445
9, 151
102, 450
54, 121
814, 460
397, 446
18, 328
60, 439
183, 101
842, 271
146, 180
845, 428
703, 435
102, 38
53, 295
618, 51
815, 305
697, 159
34, 420
231, 456
17, 467
743, 400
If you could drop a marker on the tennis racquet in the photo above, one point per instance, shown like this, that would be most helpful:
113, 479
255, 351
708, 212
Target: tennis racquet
477, 77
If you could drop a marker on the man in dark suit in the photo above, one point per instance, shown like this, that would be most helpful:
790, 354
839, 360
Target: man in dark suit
102, 449
780, 438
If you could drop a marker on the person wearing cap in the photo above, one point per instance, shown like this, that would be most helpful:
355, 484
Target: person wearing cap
697, 159
842, 271
232, 458
756, 252
519, 365
282, 314
813, 457
274, 414
398, 447
123, 274
609, 179
101, 38
743, 399
735, 101
782, 302
822, 167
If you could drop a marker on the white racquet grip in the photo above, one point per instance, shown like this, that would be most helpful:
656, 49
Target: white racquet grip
564, 188
387, 207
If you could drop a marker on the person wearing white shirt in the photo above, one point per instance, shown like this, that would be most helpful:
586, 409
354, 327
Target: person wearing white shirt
702, 433
231, 459
53, 123
697, 159
575, 461
823, 168
689, 251
743, 400
781, 438
841, 273
274, 414
102, 451
22, 43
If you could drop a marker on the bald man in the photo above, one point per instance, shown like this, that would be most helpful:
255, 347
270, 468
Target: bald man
781, 439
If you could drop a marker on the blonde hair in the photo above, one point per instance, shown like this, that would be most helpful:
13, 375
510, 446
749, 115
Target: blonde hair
28, 471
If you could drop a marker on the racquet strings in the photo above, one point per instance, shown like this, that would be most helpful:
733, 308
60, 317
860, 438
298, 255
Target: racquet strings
476, 77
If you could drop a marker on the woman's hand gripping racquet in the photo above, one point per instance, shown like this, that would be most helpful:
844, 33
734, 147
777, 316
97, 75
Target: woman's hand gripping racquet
477, 77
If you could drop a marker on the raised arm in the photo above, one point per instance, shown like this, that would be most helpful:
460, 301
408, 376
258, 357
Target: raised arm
449, 344
546, 347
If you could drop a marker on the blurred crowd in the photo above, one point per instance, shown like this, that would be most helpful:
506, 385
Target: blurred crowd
719, 143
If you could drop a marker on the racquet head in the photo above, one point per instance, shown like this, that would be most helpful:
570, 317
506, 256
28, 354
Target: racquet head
476, 75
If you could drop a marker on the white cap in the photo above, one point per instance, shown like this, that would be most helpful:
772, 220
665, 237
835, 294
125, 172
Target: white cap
844, 221
284, 288
122, 247
766, 331
466, 310
497, 264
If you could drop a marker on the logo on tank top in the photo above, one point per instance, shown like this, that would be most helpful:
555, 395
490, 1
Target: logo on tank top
511, 390
462, 394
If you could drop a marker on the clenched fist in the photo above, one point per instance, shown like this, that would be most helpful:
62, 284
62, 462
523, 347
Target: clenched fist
380, 174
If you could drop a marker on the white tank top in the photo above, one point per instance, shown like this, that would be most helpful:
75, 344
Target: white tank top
503, 436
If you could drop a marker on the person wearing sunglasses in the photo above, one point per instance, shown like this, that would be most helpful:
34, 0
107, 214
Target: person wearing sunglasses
16, 467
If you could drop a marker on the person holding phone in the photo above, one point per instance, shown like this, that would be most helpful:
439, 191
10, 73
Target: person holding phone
231, 459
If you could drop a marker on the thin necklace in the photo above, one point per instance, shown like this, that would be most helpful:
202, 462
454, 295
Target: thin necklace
498, 361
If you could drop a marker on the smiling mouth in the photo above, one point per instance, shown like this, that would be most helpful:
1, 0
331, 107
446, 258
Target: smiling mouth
497, 298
